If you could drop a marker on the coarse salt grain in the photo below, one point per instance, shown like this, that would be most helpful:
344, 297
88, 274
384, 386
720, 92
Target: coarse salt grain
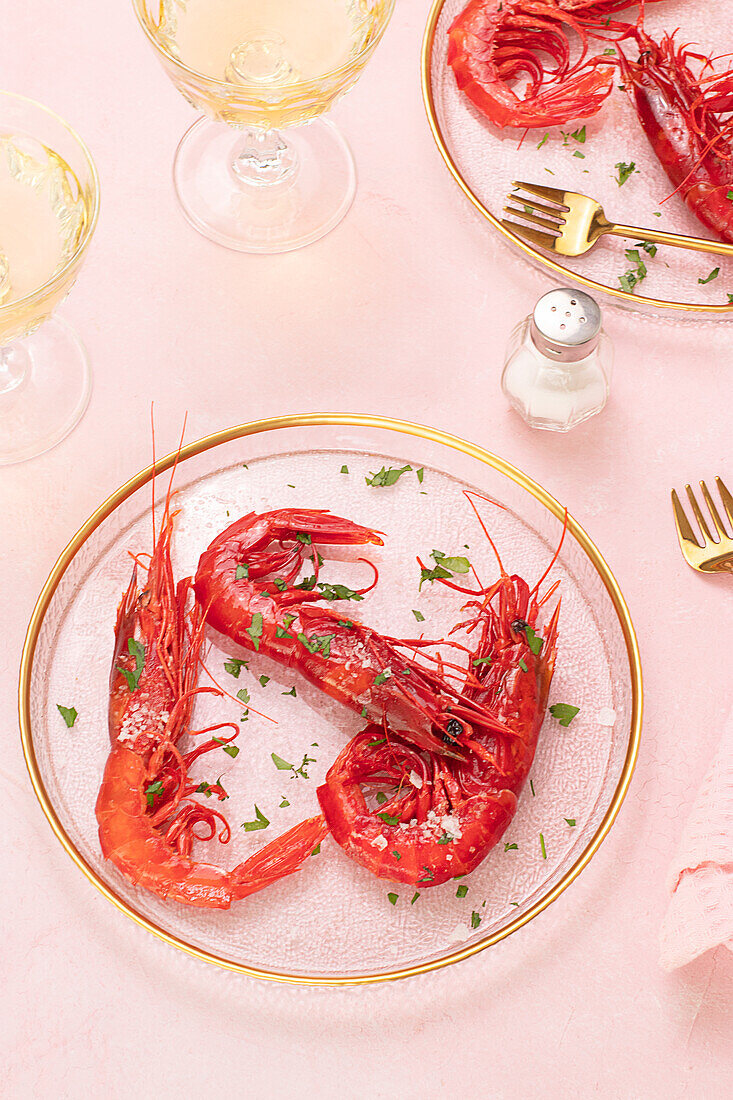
380, 842
607, 716
416, 780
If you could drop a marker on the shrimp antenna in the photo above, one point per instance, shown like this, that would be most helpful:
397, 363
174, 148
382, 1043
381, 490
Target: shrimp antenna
555, 556
469, 494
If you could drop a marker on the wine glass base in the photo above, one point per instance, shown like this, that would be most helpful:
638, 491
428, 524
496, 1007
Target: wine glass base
277, 217
50, 400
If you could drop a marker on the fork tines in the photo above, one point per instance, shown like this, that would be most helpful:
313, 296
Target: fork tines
712, 554
549, 218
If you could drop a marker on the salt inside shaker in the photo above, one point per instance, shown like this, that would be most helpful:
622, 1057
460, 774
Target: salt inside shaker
558, 363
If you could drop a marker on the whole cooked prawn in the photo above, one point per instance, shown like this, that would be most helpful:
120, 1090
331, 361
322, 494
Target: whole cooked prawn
248, 588
686, 112
146, 808
421, 819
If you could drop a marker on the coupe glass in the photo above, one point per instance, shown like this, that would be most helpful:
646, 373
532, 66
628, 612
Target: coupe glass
257, 68
49, 200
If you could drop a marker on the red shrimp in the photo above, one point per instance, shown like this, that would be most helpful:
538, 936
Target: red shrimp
686, 116
494, 42
412, 817
146, 813
247, 585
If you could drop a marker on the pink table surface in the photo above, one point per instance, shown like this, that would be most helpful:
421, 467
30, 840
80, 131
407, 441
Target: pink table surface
403, 310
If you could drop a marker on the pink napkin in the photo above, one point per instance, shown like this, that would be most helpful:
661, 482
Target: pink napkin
700, 913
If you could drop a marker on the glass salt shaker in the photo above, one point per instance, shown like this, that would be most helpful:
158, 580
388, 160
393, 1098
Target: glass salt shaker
558, 363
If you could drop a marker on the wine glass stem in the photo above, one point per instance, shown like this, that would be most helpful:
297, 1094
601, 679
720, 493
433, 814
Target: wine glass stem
263, 158
14, 367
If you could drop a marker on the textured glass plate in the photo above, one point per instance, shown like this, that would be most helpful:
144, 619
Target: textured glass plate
485, 161
333, 920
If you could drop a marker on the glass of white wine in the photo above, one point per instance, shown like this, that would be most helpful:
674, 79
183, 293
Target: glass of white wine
262, 171
49, 200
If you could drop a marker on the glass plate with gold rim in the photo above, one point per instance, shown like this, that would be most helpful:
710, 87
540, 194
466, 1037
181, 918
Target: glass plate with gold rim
333, 922
483, 160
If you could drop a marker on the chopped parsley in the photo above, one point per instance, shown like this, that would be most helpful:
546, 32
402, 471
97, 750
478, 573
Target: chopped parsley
577, 153
317, 849
317, 644
260, 822
564, 712
419, 616
624, 171
542, 846
420, 474
241, 573
338, 592
305, 538
255, 629
280, 764
462, 890
414, 898
389, 819
531, 787
579, 135
429, 874
381, 677
396, 854
444, 568
230, 750
393, 898
204, 788
243, 696
137, 650
155, 790
534, 641
386, 476
544, 139
291, 692
445, 839
284, 803
344, 469
511, 848
264, 680
570, 821
522, 664
480, 661
709, 278
69, 714
638, 271
346, 624
234, 666
280, 583
475, 919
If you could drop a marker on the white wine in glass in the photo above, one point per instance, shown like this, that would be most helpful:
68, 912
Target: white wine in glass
48, 210
262, 171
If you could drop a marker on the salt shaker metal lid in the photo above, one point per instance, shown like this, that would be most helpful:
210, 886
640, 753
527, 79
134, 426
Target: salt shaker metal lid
566, 325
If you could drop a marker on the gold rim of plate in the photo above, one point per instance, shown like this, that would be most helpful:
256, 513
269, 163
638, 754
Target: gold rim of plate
638, 300
317, 420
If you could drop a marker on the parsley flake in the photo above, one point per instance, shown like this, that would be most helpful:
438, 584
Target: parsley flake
511, 848
260, 822
234, 666
414, 898
624, 171
317, 849
386, 476
338, 592
570, 821
280, 764
230, 750
155, 790
420, 474
382, 677
709, 278
241, 573
137, 650
291, 692
462, 890
284, 803
264, 680
69, 714
389, 819
475, 919
255, 629
523, 665
419, 616
393, 898
344, 469
564, 712
542, 846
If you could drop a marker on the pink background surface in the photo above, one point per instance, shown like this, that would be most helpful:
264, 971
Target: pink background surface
403, 310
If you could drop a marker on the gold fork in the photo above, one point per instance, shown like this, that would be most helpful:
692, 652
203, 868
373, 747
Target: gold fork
573, 223
714, 555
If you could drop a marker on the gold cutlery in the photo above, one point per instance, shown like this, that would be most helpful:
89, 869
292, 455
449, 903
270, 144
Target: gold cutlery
573, 223
713, 555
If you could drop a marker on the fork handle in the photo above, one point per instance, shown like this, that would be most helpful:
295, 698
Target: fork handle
677, 240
